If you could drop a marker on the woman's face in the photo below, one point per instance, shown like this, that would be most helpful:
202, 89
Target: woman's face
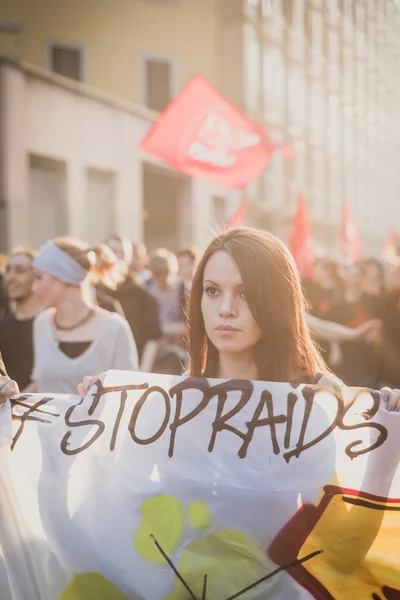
19, 277
228, 321
48, 289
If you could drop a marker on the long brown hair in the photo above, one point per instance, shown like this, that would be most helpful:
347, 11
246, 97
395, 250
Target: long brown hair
286, 351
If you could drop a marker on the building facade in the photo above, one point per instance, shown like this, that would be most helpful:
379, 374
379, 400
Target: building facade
321, 75
70, 164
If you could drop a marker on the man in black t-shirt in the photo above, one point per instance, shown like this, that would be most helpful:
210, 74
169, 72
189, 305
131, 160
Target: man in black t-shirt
140, 310
360, 359
16, 328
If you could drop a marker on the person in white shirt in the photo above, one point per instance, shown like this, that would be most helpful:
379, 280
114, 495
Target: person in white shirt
72, 336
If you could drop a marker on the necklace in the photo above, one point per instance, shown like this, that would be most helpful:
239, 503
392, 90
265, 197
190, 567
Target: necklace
75, 325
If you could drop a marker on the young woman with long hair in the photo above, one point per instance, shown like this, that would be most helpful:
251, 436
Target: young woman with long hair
247, 313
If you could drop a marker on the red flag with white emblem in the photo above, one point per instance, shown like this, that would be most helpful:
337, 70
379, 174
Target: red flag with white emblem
300, 242
201, 134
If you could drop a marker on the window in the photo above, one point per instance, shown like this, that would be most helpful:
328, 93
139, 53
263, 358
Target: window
274, 19
100, 190
360, 78
334, 14
371, 35
360, 29
276, 179
157, 83
252, 8
318, 180
299, 166
349, 139
67, 59
289, 13
348, 74
47, 198
275, 175
297, 9
317, 27
274, 84
317, 112
297, 100
297, 34
335, 187
335, 121
252, 57
334, 59
266, 9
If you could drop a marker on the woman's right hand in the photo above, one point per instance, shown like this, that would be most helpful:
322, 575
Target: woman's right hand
8, 388
86, 384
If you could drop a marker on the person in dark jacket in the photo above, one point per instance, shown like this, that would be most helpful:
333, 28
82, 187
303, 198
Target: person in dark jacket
141, 312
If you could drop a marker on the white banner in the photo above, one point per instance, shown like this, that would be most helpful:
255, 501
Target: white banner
155, 487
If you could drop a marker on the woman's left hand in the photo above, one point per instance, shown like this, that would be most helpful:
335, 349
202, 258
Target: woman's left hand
86, 384
391, 399
8, 388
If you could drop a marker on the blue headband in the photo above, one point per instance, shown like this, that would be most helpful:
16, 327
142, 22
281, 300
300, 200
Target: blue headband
57, 263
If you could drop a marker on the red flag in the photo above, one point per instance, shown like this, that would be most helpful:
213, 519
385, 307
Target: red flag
202, 135
300, 242
240, 214
389, 248
350, 242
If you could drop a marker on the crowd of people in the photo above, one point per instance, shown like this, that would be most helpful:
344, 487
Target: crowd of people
67, 311
357, 295
247, 320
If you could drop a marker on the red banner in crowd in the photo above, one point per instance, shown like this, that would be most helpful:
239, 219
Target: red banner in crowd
300, 242
350, 242
201, 134
240, 213
389, 248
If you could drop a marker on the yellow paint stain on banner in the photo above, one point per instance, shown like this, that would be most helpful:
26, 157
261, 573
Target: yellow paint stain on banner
200, 516
231, 559
92, 586
162, 519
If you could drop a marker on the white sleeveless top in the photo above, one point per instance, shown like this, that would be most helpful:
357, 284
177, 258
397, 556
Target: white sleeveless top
55, 372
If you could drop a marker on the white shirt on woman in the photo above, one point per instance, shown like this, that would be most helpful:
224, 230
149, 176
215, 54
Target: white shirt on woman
112, 347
